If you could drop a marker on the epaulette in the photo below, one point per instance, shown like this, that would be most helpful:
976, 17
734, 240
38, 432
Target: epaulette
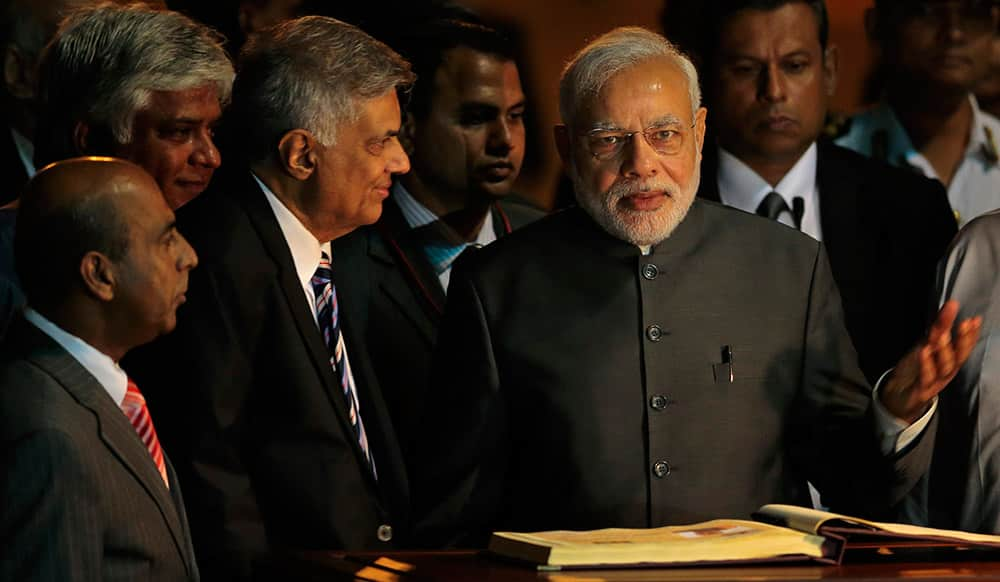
989, 148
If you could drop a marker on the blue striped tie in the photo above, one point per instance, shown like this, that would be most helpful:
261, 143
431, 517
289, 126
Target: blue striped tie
327, 315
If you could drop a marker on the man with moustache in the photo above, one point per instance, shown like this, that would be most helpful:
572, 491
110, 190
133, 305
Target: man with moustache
88, 492
464, 132
648, 359
769, 73
933, 55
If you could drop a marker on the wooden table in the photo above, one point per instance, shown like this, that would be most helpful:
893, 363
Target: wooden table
471, 566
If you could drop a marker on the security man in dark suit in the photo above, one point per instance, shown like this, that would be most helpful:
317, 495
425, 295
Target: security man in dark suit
464, 132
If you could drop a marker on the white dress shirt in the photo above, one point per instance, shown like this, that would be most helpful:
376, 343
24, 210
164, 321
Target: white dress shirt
25, 151
743, 188
417, 215
306, 253
105, 370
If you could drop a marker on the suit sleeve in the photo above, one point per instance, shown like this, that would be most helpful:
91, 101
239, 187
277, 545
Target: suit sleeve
201, 377
833, 431
462, 457
50, 521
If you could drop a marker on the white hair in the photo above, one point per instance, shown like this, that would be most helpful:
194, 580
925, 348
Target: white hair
594, 65
106, 61
311, 73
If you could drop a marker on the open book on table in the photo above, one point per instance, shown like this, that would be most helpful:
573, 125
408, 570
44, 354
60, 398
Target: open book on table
779, 533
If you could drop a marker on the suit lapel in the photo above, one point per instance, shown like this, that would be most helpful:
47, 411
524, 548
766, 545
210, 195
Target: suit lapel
266, 225
114, 428
840, 209
420, 298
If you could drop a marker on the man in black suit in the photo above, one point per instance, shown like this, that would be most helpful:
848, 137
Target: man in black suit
266, 393
769, 73
464, 132
88, 493
648, 359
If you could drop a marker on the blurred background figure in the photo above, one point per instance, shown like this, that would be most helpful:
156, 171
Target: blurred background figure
464, 132
964, 482
988, 90
25, 27
933, 54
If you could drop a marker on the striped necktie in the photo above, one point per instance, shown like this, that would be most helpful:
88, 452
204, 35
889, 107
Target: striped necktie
134, 407
327, 315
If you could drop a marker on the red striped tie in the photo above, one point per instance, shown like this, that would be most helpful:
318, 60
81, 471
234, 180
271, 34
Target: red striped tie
134, 407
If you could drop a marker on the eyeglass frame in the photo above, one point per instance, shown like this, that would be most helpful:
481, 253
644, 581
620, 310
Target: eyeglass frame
628, 137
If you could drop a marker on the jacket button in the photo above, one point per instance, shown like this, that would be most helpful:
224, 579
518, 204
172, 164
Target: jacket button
384, 533
658, 402
650, 271
661, 469
654, 333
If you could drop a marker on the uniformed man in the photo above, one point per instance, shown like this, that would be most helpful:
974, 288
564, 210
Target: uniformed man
934, 53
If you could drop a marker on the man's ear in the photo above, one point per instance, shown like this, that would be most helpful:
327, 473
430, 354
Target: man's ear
18, 74
297, 154
564, 145
831, 67
699, 127
98, 275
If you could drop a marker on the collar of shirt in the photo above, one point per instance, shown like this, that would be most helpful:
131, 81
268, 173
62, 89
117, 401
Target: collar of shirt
741, 187
900, 149
417, 215
25, 150
107, 373
306, 250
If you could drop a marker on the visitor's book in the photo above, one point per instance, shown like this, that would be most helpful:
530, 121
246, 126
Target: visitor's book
778, 533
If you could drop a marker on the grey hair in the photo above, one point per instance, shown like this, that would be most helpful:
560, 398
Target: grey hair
589, 70
311, 73
106, 60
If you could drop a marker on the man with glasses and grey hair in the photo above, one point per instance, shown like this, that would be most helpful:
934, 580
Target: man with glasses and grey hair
662, 359
269, 405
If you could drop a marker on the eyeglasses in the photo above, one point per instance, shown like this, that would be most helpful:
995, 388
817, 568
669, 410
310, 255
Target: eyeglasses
666, 140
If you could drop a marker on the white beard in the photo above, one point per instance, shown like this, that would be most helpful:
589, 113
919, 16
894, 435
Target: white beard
640, 227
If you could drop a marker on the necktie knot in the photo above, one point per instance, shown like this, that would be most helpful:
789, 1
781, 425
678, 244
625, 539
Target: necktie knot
773, 205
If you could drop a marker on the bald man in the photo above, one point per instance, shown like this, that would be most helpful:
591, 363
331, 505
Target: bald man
88, 493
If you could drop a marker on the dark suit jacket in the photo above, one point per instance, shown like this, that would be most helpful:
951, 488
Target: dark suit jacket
405, 303
884, 230
12, 174
258, 424
82, 498
585, 387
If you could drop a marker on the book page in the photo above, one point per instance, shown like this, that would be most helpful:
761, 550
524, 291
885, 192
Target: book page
718, 529
811, 520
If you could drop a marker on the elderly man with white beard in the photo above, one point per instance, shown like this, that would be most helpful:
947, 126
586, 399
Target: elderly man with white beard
648, 359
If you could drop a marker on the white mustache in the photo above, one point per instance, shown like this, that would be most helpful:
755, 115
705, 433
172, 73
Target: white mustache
625, 188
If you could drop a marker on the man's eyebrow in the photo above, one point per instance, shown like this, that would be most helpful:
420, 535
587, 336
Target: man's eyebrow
172, 225
605, 126
668, 119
